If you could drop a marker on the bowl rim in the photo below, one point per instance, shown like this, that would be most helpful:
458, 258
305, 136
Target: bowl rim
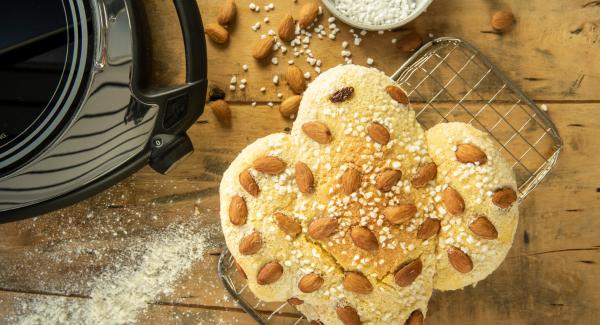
339, 15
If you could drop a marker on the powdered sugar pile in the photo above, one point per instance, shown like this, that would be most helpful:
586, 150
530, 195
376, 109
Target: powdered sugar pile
376, 12
121, 293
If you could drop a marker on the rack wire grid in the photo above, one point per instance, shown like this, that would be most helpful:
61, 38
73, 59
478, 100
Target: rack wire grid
448, 80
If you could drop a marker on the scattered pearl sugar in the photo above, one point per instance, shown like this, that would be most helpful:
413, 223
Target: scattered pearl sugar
376, 12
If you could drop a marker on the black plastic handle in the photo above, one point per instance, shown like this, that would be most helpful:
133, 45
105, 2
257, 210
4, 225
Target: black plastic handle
193, 37
188, 99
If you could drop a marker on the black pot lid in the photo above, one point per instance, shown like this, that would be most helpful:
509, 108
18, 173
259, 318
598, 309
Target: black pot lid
38, 47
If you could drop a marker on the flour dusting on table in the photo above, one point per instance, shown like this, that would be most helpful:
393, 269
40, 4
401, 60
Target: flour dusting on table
125, 290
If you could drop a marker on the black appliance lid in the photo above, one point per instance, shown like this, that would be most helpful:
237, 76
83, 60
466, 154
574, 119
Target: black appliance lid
38, 48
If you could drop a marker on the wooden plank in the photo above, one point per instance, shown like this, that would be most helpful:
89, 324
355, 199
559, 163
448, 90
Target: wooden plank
551, 262
13, 306
552, 53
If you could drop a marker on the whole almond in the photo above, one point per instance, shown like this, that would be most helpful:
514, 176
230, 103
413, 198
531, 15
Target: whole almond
264, 48
289, 107
387, 179
238, 267
295, 79
269, 165
269, 273
308, 13
504, 197
310, 283
483, 228
459, 260
304, 178
216, 33
251, 244
410, 42
227, 12
378, 133
408, 273
425, 173
348, 315
248, 183
468, 153
351, 180
453, 201
287, 224
322, 228
222, 112
295, 301
318, 131
502, 20
415, 318
364, 238
397, 94
399, 214
429, 228
287, 29
358, 283
238, 212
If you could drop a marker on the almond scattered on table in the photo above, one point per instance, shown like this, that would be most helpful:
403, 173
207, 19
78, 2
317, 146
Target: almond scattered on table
289, 107
222, 112
227, 13
503, 20
287, 29
410, 42
216, 33
264, 48
308, 13
295, 79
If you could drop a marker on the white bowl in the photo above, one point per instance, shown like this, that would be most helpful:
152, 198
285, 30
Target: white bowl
420, 8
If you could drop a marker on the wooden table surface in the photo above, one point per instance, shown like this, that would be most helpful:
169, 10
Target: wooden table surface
552, 273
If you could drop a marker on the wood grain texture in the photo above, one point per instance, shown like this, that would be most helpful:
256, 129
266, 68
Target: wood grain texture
550, 275
552, 52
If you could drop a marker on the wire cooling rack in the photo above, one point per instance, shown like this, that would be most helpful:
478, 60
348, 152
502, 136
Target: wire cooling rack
448, 80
